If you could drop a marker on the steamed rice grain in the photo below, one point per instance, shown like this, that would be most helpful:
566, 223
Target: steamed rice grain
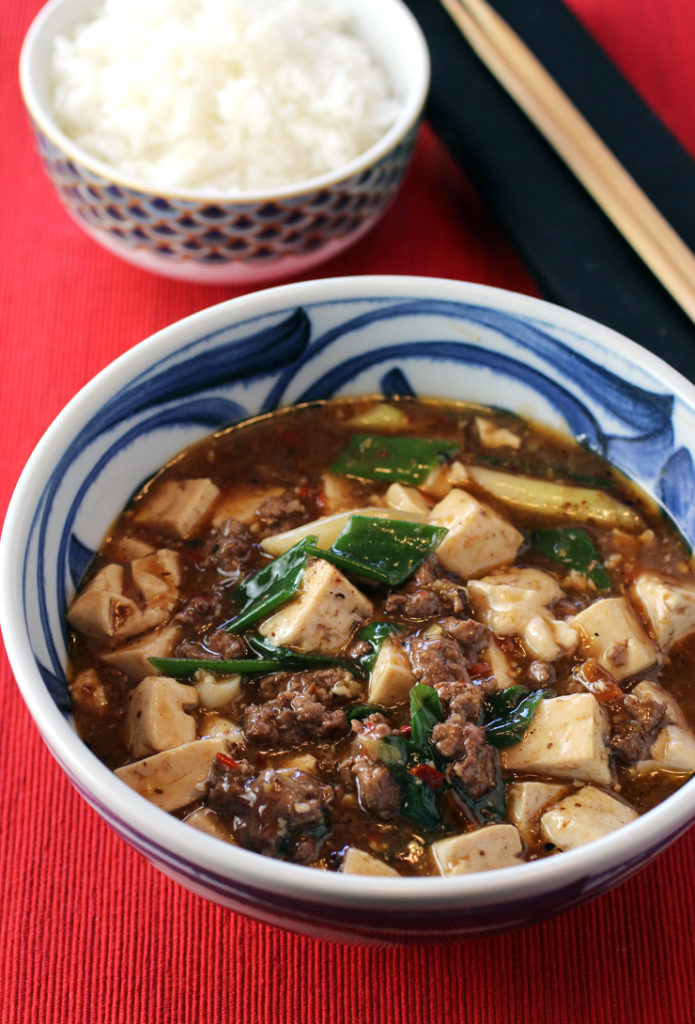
221, 95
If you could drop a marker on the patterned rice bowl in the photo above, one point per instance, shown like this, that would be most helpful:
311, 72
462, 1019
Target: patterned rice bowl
290, 344
255, 236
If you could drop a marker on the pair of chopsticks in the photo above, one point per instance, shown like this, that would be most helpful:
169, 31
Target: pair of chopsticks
575, 141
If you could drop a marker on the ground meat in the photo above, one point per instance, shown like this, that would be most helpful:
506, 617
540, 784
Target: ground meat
279, 808
461, 699
467, 632
200, 610
290, 719
541, 673
474, 761
634, 725
437, 659
318, 683
413, 604
275, 515
226, 783
378, 791
228, 548
218, 644
227, 645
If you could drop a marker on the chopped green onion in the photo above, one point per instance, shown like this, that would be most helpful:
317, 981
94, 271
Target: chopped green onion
573, 548
385, 550
359, 711
509, 728
425, 711
271, 586
181, 667
419, 801
285, 657
408, 460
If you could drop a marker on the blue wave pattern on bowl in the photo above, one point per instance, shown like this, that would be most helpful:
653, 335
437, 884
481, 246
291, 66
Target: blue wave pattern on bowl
183, 230
319, 351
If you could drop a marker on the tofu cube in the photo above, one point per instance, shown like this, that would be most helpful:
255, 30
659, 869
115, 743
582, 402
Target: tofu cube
392, 677
88, 693
443, 478
493, 436
157, 576
584, 816
406, 499
178, 506
205, 820
525, 801
132, 658
504, 673
668, 606
673, 749
241, 503
478, 538
567, 739
494, 846
515, 603
156, 715
322, 616
611, 633
173, 778
338, 493
357, 862
101, 610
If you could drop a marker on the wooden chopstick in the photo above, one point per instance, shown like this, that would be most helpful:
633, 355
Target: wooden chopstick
576, 142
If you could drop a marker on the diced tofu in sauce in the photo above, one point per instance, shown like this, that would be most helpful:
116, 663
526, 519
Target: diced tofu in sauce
391, 677
242, 503
514, 603
495, 846
178, 506
103, 611
673, 749
357, 862
526, 800
561, 768
132, 658
669, 607
322, 616
583, 816
567, 739
611, 633
478, 538
156, 715
173, 778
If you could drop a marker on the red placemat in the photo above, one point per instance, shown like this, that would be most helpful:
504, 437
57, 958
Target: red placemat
89, 932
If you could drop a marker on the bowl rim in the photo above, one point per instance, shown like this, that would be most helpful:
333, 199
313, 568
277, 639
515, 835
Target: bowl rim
408, 118
659, 826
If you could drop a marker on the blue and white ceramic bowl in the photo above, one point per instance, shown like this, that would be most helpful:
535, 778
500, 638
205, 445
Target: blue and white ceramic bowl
289, 344
253, 236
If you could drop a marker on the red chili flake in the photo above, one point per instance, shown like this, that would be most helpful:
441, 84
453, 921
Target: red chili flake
194, 557
428, 774
480, 669
304, 491
321, 502
227, 761
405, 730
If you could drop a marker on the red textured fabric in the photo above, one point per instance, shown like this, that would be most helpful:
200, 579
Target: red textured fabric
89, 932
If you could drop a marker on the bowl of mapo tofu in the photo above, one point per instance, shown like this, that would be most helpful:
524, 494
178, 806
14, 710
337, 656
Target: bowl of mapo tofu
366, 606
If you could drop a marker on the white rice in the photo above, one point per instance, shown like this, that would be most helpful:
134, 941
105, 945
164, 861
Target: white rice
221, 95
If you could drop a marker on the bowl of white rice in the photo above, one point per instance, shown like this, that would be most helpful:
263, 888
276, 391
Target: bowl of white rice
225, 141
